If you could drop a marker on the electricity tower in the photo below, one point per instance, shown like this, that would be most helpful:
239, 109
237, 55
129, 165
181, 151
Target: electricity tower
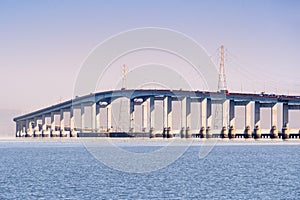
218, 118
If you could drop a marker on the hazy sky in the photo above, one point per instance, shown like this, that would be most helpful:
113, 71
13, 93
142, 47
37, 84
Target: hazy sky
43, 43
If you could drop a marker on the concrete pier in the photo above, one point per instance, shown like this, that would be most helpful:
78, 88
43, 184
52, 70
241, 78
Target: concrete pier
131, 111
144, 116
186, 118
108, 118
208, 118
152, 118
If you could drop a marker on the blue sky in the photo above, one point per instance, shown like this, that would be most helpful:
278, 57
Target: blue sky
43, 43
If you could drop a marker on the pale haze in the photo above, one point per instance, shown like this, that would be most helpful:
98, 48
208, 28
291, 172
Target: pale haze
44, 43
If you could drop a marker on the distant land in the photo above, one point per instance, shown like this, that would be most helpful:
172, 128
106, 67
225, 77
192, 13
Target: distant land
7, 126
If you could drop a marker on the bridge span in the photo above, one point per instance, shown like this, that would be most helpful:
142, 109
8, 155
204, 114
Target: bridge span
35, 124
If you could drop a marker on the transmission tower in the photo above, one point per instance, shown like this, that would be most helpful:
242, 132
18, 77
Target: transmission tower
222, 84
122, 123
218, 121
124, 77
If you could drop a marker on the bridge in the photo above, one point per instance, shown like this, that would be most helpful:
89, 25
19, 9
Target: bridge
35, 124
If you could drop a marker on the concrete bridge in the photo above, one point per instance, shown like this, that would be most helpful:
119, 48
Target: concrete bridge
35, 124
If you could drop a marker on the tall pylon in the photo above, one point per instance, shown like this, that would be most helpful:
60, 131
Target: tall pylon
122, 123
218, 120
222, 84
124, 77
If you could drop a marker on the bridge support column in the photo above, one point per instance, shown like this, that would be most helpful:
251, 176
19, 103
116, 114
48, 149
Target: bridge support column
247, 132
17, 129
26, 126
72, 123
82, 118
167, 117
186, 117
274, 131
131, 113
62, 123
152, 118
21, 128
231, 131
188, 133
203, 118
248, 114
257, 132
93, 117
285, 121
144, 116
97, 125
108, 117
44, 126
225, 119
208, 118
33, 125
36, 131
52, 124
274, 115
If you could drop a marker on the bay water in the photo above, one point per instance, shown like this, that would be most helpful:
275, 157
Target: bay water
66, 170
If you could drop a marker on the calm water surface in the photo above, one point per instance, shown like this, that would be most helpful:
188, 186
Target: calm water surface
55, 170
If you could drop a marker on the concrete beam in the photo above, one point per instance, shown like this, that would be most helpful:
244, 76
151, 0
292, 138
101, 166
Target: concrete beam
294, 107
241, 103
217, 101
196, 100
267, 105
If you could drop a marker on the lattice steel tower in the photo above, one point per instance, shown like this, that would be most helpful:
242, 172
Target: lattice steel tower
222, 84
122, 123
218, 118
